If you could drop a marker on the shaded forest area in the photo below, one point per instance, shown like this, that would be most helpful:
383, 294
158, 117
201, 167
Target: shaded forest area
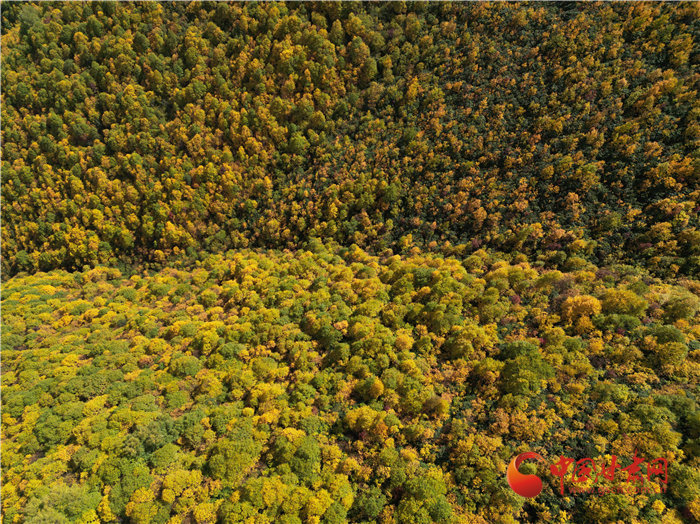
137, 132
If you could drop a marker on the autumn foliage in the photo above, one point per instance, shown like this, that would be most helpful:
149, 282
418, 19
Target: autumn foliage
341, 262
137, 132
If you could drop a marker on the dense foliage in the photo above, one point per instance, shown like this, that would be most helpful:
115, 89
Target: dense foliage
340, 262
333, 385
141, 131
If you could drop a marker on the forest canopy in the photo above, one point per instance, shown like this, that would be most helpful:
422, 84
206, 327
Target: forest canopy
332, 386
146, 131
336, 262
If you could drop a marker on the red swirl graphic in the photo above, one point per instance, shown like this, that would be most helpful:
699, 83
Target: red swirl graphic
524, 485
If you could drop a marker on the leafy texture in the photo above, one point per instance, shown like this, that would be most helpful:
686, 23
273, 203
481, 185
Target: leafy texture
340, 262
137, 132
335, 385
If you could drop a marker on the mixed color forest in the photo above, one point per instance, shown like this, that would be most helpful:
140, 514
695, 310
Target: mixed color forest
341, 262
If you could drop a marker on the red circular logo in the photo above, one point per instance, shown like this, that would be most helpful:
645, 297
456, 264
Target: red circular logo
524, 485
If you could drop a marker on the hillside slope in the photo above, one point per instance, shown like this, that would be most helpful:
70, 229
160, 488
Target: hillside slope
137, 131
